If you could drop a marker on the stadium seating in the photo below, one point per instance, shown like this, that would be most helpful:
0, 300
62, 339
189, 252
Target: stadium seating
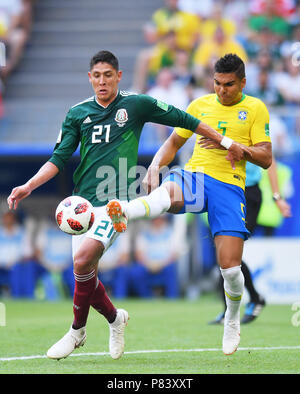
52, 74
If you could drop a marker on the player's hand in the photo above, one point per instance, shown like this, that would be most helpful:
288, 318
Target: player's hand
151, 180
206, 143
239, 151
284, 208
17, 194
236, 152
230, 158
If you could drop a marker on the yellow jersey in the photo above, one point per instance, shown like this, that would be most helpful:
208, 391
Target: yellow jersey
246, 122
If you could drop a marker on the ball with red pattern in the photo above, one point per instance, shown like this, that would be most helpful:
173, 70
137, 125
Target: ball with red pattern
75, 215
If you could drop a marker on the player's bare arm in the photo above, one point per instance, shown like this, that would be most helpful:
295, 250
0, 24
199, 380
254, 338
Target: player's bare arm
45, 173
260, 154
163, 157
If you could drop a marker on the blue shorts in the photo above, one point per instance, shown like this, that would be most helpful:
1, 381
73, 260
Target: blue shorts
224, 203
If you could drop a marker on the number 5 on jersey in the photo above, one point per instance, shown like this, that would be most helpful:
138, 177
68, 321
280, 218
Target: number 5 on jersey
99, 132
221, 127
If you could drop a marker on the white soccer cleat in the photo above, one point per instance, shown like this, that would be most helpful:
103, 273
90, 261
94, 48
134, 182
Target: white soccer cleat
65, 346
231, 337
117, 215
116, 338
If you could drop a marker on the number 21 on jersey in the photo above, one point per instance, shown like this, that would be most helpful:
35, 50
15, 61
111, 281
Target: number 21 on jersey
101, 131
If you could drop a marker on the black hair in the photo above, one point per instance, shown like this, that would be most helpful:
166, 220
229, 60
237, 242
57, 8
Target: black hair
105, 57
231, 63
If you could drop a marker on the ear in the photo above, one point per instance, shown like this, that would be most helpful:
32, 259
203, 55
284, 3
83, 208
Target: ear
120, 73
243, 83
90, 76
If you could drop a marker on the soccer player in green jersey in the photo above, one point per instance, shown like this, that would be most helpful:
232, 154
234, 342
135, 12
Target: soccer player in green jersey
107, 126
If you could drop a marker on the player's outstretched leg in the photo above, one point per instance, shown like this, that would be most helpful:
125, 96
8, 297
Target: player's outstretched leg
116, 338
150, 206
69, 342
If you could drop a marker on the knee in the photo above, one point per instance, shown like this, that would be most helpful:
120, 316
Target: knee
226, 261
233, 276
84, 263
87, 256
176, 197
231, 273
81, 264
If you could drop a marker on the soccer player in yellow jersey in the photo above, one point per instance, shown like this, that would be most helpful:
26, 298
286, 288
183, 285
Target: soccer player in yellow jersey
208, 183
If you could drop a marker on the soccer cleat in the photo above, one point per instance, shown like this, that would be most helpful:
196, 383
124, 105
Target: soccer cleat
116, 212
65, 346
253, 310
231, 337
116, 338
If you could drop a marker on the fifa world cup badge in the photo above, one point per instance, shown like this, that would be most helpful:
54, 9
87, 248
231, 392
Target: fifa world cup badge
121, 117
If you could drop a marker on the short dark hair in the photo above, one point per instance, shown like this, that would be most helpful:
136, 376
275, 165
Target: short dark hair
105, 57
230, 63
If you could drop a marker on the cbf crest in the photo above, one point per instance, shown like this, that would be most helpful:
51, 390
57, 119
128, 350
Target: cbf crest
121, 117
242, 115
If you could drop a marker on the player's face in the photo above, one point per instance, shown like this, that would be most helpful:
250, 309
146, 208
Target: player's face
105, 79
229, 87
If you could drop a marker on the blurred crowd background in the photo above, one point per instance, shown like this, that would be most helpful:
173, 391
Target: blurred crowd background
167, 49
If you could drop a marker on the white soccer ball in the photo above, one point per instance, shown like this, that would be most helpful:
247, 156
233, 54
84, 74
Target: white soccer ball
75, 215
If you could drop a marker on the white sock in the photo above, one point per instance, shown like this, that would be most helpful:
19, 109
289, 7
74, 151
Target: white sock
233, 286
152, 205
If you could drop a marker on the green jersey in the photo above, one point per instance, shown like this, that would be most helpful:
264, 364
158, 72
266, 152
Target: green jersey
109, 138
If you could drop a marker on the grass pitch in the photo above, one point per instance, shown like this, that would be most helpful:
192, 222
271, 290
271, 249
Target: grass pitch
162, 337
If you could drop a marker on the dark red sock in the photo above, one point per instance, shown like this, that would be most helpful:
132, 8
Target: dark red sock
101, 302
84, 289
